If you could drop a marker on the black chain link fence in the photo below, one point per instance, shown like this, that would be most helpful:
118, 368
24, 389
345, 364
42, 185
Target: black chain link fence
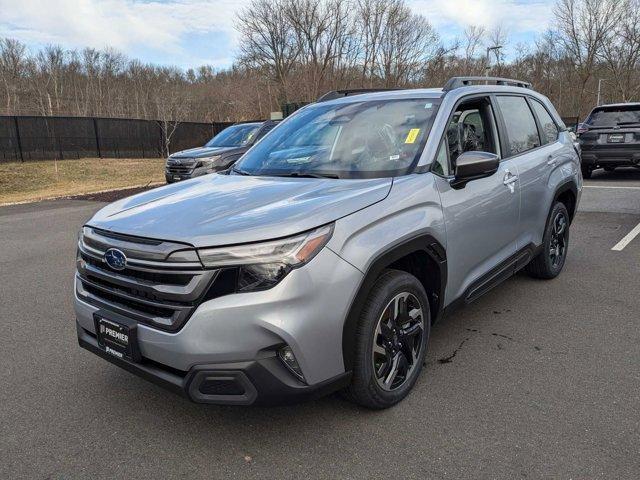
24, 138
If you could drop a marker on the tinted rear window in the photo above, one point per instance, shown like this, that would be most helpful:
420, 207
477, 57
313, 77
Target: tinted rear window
610, 117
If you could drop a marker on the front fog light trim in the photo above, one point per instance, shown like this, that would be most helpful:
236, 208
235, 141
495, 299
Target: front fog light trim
286, 355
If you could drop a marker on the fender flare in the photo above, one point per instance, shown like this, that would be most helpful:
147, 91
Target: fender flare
569, 185
420, 243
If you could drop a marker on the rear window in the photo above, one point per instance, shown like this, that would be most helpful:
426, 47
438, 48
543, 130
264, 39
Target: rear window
613, 116
522, 131
549, 127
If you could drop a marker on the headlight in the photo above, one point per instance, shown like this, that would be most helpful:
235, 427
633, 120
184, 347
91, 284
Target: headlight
206, 162
263, 265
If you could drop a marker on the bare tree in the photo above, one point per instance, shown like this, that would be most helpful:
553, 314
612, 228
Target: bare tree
583, 26
320, 27
408, 43
171, 111
268, 40
473, 37
12, 66
621, 51
370, 17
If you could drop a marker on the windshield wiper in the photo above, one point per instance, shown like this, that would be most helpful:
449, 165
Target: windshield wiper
307, 175
239, 172
628, 123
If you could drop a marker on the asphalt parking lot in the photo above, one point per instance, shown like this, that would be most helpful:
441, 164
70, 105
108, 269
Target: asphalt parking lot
534, 380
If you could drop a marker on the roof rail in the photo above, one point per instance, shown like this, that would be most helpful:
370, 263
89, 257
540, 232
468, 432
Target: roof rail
332, 95
458, 82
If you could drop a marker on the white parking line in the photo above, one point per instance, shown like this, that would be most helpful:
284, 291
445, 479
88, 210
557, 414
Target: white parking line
627, 239
607, 186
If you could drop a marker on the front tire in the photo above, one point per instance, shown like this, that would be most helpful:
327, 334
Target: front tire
555, 243
586, 172
391, 341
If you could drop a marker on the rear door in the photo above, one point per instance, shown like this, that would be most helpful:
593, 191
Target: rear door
533, 147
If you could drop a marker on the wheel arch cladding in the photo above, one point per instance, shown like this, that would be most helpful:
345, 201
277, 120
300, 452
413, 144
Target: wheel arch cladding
567, 193
422, 256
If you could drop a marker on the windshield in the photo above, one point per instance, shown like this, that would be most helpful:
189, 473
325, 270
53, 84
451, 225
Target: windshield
348, 140
614, 116
234, 136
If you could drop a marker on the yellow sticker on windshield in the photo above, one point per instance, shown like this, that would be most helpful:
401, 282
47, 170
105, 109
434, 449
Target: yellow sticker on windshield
412, 135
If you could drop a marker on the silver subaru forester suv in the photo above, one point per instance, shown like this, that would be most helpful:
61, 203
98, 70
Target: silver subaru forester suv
321, 260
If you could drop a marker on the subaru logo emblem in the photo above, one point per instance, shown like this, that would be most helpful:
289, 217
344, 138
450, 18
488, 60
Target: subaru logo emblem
115, 259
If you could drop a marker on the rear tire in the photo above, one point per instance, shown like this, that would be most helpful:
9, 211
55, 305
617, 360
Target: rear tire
586, 172
391, 341
555, 244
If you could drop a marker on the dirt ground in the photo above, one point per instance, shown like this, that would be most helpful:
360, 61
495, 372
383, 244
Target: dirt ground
39, 180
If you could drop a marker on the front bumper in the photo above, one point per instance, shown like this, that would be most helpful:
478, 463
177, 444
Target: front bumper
177, 176
259, 382
305, 311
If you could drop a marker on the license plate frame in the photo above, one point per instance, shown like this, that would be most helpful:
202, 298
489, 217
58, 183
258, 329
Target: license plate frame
615, 138
117, 335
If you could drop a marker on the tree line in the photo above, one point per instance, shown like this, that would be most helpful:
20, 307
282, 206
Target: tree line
294, 50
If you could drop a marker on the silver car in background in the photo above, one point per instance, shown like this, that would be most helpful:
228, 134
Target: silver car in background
321, 260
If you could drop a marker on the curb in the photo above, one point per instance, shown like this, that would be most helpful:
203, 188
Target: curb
76, 195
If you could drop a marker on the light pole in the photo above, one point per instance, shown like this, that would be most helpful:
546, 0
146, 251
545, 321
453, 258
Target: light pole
600, 80
489, 50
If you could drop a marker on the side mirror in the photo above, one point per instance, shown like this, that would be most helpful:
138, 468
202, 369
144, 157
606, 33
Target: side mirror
474, 165
573, 136
582, 128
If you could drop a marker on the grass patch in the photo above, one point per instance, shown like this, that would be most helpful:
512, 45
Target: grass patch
38, 180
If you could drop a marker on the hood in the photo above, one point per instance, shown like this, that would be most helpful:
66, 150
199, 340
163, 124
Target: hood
229, 209
202, 152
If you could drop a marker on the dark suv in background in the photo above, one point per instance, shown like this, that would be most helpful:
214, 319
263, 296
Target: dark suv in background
610, 138
217, 154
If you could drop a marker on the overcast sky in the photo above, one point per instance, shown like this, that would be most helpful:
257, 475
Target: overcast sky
189, 33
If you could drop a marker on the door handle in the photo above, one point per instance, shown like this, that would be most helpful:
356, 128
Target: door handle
552, 161
509, 178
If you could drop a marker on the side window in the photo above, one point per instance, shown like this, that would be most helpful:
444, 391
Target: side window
474, 121
471, 128
549, 127
522, 132
441, 163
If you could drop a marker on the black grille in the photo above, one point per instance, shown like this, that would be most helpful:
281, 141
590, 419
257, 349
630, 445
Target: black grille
116, 299
179, 169
221, 387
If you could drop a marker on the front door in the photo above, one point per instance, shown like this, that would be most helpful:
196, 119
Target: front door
481, 220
